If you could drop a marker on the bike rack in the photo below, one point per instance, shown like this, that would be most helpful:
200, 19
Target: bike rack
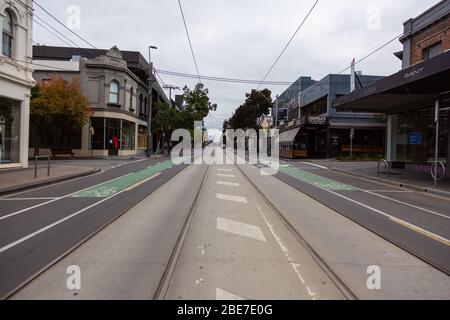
386, 164
433, 167
36, 159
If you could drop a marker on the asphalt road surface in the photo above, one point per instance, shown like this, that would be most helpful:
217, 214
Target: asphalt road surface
39, 226
415, 221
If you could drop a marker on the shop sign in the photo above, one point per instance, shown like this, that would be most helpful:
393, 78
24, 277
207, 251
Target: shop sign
317, 120
415, 138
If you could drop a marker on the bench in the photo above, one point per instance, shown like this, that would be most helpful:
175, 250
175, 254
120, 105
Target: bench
67, 152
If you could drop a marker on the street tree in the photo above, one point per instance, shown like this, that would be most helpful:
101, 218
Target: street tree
257, 103
58, 107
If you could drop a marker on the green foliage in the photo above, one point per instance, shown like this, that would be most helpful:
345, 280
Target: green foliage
256, 104
198, 105
58, 104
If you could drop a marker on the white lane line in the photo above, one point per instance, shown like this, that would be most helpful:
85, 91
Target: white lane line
285, 250
143, 182
394, 219
50, 226
390, 191
231, 198
29, 199
54, 200
126, 163
409, 205
240, 229
225, 170
226, 296
231, 184
314, 165
226, 175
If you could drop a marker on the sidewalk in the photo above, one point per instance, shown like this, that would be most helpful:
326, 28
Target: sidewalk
22, 179
401, 178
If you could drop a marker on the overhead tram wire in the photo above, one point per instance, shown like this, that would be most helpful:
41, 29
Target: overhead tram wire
56, 30
190, 42
288, 44
222, 79
56, 19
51, 32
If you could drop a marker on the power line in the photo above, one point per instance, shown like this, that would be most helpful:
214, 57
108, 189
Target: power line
190, 42
288, 44
51, 32
51, 15
43, 21
222, 79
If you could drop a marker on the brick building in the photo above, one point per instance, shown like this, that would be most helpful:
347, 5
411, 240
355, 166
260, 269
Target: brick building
417, 98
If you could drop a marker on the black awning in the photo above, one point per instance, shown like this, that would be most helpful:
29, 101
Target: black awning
412, 88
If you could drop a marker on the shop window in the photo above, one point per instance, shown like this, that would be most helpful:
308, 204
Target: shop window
142, 137
8, 35
9, 131
128, 134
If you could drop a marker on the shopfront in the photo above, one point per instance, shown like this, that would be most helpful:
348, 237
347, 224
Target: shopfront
113, 135
9, 131
417, 102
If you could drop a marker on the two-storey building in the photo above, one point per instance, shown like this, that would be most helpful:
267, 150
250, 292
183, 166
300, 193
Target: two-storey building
16, 81
117, 85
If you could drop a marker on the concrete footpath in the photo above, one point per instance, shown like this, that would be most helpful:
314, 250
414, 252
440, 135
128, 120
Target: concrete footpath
22, 179
127, 259
350, 249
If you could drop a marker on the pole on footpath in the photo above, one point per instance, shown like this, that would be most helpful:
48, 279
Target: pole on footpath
352, 136
436, 150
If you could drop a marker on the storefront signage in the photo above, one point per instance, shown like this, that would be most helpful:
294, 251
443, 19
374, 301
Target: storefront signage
415, 138
413, 73
317, 120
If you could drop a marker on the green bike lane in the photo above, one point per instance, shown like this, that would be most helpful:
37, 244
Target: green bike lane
31, 240
421, 228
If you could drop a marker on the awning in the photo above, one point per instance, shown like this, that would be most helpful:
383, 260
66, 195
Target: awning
289, 135
356, 125
412, 88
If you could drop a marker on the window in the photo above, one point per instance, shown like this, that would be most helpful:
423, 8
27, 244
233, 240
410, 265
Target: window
114, 92
432, 51
141, 102
8, 35
131, 99
145, 106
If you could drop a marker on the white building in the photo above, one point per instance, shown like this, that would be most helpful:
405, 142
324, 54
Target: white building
16, 81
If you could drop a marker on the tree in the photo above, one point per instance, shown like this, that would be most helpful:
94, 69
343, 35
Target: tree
256, 104
198, 105
58, 105
166, 119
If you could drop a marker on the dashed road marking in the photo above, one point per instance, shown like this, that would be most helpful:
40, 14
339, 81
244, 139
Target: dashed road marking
231, 198
240, 229
226, 296
226, 175
231, 184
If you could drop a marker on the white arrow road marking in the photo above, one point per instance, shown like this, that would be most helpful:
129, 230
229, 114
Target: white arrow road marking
225, 170
231, 184
226, 175
240, 229
225, 295
231, 198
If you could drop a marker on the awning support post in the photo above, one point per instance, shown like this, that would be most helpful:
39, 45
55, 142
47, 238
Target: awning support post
436, 151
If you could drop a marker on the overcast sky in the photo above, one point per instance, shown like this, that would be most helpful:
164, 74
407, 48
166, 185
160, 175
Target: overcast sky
242, 38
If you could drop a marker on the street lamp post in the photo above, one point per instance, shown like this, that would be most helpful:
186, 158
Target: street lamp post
149, 115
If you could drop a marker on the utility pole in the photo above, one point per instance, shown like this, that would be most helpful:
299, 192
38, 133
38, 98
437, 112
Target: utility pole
170, 87
149, 115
